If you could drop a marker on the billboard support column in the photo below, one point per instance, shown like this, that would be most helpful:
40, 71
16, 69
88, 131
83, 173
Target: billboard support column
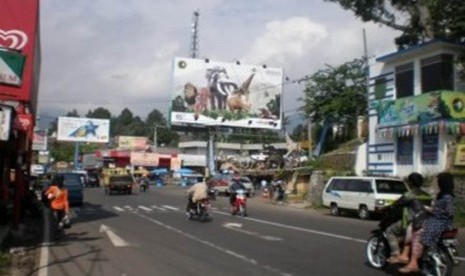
76, 156
210, 156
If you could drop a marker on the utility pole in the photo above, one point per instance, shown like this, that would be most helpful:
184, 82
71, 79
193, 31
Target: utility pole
155, 137
195, 34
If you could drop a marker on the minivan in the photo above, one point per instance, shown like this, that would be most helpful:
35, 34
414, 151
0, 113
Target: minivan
365, 195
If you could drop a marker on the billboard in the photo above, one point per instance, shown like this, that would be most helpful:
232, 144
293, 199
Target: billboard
210, 93
133, 142
83, 130
39, 140
148, 159
20, 63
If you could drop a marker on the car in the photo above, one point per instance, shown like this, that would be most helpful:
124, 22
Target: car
93, 180
73, 183
120, 183
365, 195
221, 183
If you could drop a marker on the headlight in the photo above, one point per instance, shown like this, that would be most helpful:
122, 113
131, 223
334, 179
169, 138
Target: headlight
380, 202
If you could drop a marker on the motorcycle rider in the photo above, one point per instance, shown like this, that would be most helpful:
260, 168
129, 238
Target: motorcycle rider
412, 203
441, 217
236, 184
196, 193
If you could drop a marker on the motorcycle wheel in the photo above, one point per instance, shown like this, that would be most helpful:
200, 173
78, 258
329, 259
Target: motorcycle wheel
243, 210
377, 252
437, 263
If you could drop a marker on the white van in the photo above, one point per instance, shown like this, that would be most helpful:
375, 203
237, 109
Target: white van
362, 194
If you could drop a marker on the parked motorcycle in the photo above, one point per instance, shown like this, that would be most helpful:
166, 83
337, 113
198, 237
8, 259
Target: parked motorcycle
435, 261
199, 211
239, 205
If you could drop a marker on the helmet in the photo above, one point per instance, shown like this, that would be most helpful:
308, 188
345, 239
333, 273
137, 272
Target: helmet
415, 179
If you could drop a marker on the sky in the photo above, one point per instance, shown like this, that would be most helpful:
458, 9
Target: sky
119, 54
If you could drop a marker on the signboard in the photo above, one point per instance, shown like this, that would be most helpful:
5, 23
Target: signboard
83, 130
210, 93
19, 32
133, 142
39, 141
422, 109
5, 122
460, 155
11, 67
193, 160
146, 159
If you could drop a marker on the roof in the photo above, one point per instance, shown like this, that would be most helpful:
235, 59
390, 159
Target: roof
420, 48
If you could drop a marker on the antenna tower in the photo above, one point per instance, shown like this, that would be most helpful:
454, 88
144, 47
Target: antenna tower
195, 33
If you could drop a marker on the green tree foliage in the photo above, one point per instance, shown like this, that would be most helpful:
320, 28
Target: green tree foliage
336, 94
419, 20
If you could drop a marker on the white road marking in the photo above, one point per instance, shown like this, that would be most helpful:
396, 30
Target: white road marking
170, 207
44, 250
115, 239
144, 208
298, 228
119, 209
158, 208
128, 207
238, 228
215, 246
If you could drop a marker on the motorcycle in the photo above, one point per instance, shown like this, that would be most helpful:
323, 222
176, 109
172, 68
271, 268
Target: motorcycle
239, 205
199, 211
435, 261
144, 185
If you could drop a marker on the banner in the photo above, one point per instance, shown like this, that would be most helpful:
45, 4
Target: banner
39, 141
145, 159
83, 130
422, 109
210, 93
133, 142
460, 155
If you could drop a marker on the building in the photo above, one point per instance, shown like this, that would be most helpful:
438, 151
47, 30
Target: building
19, 88
416, 109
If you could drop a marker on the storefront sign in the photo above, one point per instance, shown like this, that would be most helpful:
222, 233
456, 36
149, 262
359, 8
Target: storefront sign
5, 122
133, 142
11, 67
460, 155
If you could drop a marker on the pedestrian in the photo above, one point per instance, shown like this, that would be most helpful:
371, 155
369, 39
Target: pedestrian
57, 194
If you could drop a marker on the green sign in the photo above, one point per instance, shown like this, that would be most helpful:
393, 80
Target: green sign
422, 109
11, 67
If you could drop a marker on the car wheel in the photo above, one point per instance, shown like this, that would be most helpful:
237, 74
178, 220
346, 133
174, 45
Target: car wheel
363, 212
334, 209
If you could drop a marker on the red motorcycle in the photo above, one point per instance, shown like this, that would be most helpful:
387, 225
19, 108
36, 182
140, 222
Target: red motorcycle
239, 205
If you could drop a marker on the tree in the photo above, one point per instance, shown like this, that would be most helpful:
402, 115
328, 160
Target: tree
99, 113
418, 20
164, 134
336, 95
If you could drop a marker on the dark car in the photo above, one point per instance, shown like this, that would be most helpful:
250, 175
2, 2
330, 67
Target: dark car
93, 180
73, 183
120, 183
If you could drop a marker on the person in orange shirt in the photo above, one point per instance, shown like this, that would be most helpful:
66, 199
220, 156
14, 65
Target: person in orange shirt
57, 194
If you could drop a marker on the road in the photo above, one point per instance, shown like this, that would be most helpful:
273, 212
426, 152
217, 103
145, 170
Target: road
148, 234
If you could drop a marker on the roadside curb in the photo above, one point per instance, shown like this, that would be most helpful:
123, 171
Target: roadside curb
42, 270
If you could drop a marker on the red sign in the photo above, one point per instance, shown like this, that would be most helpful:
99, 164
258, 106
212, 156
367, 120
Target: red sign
23, 122
19, 30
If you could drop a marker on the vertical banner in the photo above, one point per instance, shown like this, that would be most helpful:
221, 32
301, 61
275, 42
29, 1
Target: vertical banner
5, 122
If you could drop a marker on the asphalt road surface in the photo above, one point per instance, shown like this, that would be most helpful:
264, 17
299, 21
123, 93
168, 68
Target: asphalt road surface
148, 234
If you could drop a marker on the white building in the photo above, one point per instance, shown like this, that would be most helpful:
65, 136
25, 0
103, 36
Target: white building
416, 109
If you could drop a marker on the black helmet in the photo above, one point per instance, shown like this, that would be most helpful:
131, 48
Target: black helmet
415, 179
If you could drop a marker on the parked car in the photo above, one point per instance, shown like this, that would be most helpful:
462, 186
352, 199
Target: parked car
221, 183
120, 183
365, 195
93, 180
73, 183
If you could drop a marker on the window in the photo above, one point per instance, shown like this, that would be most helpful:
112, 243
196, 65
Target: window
380, 88
404, 80
429, 152
437, 73
336, 185
390, 187
405, 150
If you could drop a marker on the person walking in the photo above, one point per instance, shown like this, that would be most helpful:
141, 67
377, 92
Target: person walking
57, 194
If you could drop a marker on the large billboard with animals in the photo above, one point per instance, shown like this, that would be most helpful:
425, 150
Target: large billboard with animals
210, 93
